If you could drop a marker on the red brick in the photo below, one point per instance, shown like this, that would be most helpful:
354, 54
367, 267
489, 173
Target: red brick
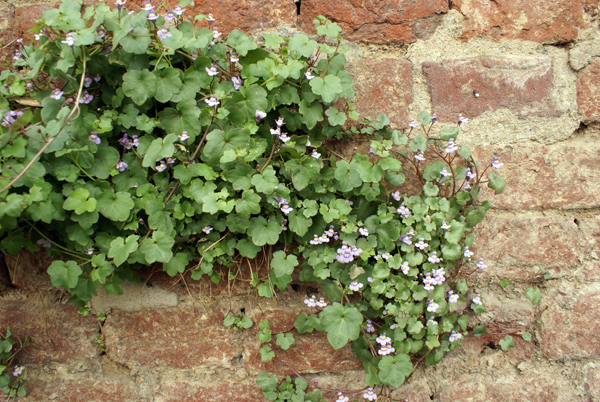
56, 333
529, 386
570, 325
516, 83
169, 338
590, 242
383, 86
397, 21
522, 350
184, 391
310, 353
551, 22
28, 270
512, 245
91, 390
415, 391
562, 175
26, 17
592, 382
588, 88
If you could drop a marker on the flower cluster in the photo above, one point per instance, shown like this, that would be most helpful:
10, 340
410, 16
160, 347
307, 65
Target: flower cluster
313, 302
347, 253
385, 343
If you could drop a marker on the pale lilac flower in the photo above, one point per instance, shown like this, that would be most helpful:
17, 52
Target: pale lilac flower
370, 395
207, 229
383, 339
170, 16
386, 350
216, 33
121, 166
421, 245
432, 306
386, 255
452, 298
477, 300
96, 78
454, 336
370, 279
341, 398
462, 120
120, 3
237, 82
496, 164
234, 58
445, 226
470, 175
405, 267
312, 302
468, 253
451, 146
434, 117
316, 240
10, 117
212, 101
433, 258
56, 94
431, 321
321, 303
315, 154
393, 326
163, 33
286, 209
87, 81
284, 137
280, 122
344, 257
348, 202
147, 6
481, 264
90, 251
259, 114
370, 327
420, 156
86, 98
402, 210
44, 243
161, 166
407, 237
17, 55
330, 232
94, 138
69, 40
275, 131
18, 371
413, 123
363, 231
37, 36
396, 195
152, 16
355, 286
308, 144
308, 75
184, 136
212, 71
100, 33
178, 10
445, 172
125, 141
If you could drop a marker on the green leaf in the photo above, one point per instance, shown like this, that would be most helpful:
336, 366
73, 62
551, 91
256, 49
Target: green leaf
137, 42
479, 330
327, 88
168, 83
264, 333
185, 117
120, 249
177, 264
139, 85
229, 320
266, 181
266, 355
393, 370
312, 113
526, 336
342, 324
64, 274
158, 248
240, 42
264, 232
79, 201
298, 223
160, 148
335, 117
507, 343
283, 264
447, 133
504, 282
534, 295
249, 203
284, 341
496, 182
304, 171
115, 207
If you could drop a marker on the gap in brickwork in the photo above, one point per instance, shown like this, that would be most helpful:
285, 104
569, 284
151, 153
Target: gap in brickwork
298, 3
5, 282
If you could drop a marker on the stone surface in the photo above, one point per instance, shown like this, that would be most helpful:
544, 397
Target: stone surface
562, 175
582, 53
26, 17
570, 324
513, 245
588, 88
383, 86
542, 21
135, 297
57, 333
592, 382
220, 391
28, 270
91, 390
174, 338
520, 84
380, 21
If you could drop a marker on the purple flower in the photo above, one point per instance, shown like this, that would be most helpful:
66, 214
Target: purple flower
94, 138
10, 117
308, 75
363, 231
355, 286
210, 18
259, 114
386, 350
279, 122
69, 40
184, 136
163, 33
321, 303
432, 306
170, 16
44, 243
234, 58
370, 395
451, 146
402, 210
468, 253
87, 81
413, 123
462, 120
344, 257
152, 16
18, 371
330, 232
477, 300
315, 154
212, 101
178, 10
396, 195
121, 166
470, 175
56, 94
37, 36
407, 237
237, 82
383, 339
147, 6
312, 302
86, 98
433, 258
120, 3
212, 71
454, 336
161, 166
216, 33
445, 172
481, 265
421, 245
207, 229
341, 398
284, 137
452, 298
445, 226
90, 251
496, 164
420, 156
370, 279
370, 327
431, 321
276, 131
405, 267
125, 141
286, 209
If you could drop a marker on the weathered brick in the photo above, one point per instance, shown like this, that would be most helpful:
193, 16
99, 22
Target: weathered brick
529, 386
474, 346
570, 325
515, 244
220, 391
28, 270
589, 229
174, 338
592, 382
26, 17
56, 333
520, 84
398, 21
92, 390
383, 86
310, 353
588, 88
553, 22
562, 175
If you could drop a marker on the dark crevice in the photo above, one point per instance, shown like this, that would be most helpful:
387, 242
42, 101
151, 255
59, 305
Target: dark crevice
576, 221
431, 396
297, 6
243, 310
295, 288
5, 282
492, 345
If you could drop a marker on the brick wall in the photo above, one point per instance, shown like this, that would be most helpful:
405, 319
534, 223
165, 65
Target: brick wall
535, 65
